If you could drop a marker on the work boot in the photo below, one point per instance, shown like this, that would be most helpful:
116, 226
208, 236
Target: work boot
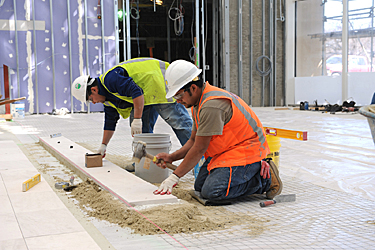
276, 184
130, 167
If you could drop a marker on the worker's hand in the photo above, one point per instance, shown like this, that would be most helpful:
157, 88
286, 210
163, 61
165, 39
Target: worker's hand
136, 127
167, 185
162, 158
265, 170
102, 150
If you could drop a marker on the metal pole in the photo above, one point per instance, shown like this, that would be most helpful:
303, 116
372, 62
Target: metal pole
86, 41
372, 33
203, 43
274, 51
323, 42
240, 48
124, 30
116, 31
35, 62
168, 37
226, 41
128, 44
103, 35
87, 49
345, 20
271, 51
214, 43
284, 60
16, 37
251, 54
70, 57
53, 55
197, 45
221, 66
263, 49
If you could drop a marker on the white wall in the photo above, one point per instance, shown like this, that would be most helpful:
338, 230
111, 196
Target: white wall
321, 88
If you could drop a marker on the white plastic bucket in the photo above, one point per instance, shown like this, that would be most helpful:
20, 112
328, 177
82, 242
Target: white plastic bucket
146, 169
18, 110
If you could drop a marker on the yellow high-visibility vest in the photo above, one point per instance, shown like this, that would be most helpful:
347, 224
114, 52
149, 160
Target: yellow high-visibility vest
148, 74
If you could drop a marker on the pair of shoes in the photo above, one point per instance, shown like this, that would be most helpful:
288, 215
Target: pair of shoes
130, 167
276, 184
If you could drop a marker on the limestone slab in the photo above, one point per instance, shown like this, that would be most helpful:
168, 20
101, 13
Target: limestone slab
80, 240
48, 222
6, 207
9, 229
127, 187
35, 201
15, 244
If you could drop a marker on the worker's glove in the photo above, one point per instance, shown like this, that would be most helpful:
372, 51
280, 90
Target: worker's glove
167, 185
265, 170
102, 150
136, 127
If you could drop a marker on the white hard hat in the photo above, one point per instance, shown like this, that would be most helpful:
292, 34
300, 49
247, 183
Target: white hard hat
79, 87
178, 74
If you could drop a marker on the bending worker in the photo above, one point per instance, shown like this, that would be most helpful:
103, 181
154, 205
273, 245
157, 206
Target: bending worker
227, 132
135, 88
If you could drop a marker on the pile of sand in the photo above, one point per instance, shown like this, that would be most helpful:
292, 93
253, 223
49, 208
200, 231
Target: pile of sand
173, 219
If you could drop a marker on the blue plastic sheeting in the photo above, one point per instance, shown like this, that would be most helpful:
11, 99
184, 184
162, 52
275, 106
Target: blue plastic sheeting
47, 86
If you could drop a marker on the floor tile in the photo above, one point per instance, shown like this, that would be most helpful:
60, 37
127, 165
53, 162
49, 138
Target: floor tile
48, 222
12, 230
35, 201
71, 241
17, 244
5, 207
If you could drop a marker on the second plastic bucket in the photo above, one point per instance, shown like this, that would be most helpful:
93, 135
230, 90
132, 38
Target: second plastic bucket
146, 169
274, 145
366, 111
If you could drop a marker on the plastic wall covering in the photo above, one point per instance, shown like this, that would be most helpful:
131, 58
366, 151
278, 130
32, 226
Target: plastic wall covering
48, 85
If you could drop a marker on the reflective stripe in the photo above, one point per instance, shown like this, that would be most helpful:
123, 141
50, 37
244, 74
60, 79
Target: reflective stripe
142, 59
163, 69
241, 108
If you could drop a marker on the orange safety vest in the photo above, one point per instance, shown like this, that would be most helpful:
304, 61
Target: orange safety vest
243, 140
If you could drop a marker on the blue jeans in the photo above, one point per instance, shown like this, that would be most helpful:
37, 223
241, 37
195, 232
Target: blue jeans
149, 117
175, 114
373, 99
246, 180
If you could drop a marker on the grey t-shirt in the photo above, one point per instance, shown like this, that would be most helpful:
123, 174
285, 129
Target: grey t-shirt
213, 116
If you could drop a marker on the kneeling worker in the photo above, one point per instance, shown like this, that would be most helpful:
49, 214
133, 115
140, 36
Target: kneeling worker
135, 88
227, 132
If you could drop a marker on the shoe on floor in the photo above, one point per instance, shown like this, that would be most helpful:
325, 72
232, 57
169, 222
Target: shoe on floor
276, 184
130, 167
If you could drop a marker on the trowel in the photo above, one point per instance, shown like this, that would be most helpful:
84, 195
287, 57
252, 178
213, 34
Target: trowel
278, 199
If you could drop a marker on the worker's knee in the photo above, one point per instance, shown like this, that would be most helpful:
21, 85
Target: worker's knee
217, 192
216, 184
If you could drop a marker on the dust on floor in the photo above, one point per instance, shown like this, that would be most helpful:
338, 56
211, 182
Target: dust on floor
188, 216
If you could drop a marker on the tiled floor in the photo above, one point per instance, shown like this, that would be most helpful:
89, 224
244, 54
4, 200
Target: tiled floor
332, 174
